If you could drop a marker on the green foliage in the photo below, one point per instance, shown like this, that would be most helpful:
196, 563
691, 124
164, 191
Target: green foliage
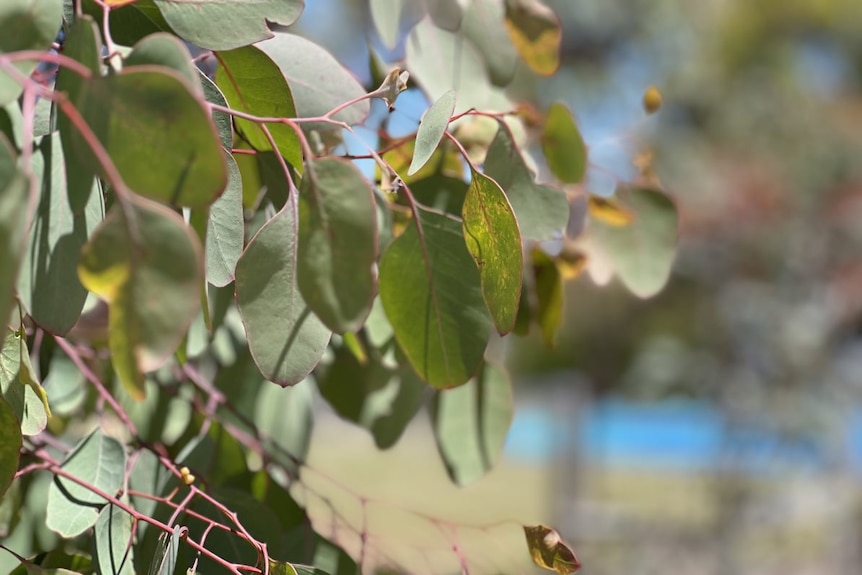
178, 234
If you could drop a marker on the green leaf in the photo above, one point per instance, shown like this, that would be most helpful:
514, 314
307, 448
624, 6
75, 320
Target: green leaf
252, 83
149, 270
11, 497
337, 246
386, 15
471, 423
113, 541
164, 49
484, 25
286, 339
549, 296
14, 194
548, 550
318, 81
643, 251
20, 387
431, 292
357, 391
285, 417
48, 284
10, 445
493, 239
82, 44
563, 145
431, 130
225, 230
97, 460
536, 33
148, 116
226, 24
542, 211
26, 25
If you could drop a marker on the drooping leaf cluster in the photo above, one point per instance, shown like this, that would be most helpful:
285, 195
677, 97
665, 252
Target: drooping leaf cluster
181, 227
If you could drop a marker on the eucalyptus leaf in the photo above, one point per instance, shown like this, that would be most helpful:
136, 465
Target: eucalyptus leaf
113, 541
252, 83
542, 211
149, 269
536, 33
563, 145
225, 24
337, 245
14, 194
48, 284
97, 460
10, 445
431, 130
494, 240
285, 338
471, 423
19, 385
317, 80
431, 293
641, 252
26, 25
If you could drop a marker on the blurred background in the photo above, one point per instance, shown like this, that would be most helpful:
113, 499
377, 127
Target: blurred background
717, 427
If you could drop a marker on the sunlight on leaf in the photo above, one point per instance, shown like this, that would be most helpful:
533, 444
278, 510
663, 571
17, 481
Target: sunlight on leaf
113, 541
252, 83
431, 129
20, 387
14, 195
493, 239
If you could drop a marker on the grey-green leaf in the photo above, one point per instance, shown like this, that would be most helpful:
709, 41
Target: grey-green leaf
14, 194
285, 338
285, 417
431, 130
113, 539
225, 229
386, 15
97, 460
48, 284
19, 385
164, 49
471, 423
227, 24
337, 243
542, 211
317, 80
26, 25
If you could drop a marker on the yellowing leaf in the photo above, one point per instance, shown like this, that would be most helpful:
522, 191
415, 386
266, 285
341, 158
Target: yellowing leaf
535, 31
548, 550
149, 270
563, 145
610, 211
